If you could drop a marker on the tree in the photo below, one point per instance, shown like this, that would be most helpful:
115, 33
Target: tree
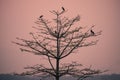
57, 42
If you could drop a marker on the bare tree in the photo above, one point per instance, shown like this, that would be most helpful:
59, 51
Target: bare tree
57, 42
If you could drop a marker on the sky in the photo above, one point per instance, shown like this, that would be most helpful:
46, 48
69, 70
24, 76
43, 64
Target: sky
18, 16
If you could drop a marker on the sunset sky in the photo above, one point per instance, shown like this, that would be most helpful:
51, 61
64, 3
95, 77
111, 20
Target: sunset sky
18, 16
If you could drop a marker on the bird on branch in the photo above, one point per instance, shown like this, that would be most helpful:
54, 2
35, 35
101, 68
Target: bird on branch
92, 32
55, 32
41, 16
63, 8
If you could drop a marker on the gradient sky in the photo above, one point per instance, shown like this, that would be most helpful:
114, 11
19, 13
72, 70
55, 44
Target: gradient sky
18, 16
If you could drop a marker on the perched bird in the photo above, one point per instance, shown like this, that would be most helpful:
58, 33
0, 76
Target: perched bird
92, 32
55, 32
41, 16
63, 8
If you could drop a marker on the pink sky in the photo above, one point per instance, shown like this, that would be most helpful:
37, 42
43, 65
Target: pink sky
18, 16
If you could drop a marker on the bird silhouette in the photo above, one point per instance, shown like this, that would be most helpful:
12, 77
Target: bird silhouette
55, 32
41, 16
92, 32
63, 8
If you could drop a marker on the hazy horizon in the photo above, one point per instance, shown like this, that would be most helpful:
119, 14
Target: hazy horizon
18, 16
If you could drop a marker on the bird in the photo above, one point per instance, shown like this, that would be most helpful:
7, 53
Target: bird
92, 32
41, 16
63, 8
55, 32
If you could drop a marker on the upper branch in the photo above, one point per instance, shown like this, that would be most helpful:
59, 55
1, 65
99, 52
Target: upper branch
79, 41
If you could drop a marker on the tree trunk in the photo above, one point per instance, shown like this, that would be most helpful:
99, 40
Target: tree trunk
57, 69
57, 77
58, 59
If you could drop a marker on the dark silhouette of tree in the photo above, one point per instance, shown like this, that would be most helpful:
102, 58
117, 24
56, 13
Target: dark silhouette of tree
57, 42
